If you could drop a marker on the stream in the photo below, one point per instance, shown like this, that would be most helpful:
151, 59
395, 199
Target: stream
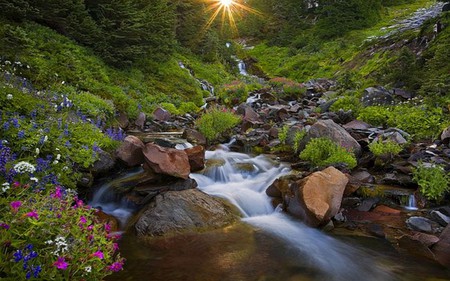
266, 245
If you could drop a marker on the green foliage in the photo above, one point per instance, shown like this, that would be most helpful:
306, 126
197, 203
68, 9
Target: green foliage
215, 122
93, 106
347, 102
43, 225
170, 107
324, 152
375, 115
234, 93
188, 107
283, 134
432, 180
298, 137
387, 147
287, 88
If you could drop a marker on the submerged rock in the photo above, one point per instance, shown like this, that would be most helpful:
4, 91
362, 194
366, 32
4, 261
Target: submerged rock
181, 211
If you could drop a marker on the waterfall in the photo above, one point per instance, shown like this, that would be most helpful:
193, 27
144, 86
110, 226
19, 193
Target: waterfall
242, 180
412, 205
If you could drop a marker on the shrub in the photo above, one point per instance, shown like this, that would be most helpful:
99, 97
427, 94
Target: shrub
388, 147
215, 122
433, 180
347, 103
287, 87
48, 233
375, 115
93, 106
188, 107
170, 107
283, 134
233, 93
323, 152
299, 135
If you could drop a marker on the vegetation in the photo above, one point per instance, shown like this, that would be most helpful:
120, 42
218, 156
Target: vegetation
215, 122
433, 181
386, 147
324, 152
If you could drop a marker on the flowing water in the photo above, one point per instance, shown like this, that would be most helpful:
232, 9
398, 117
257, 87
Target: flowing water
267, 244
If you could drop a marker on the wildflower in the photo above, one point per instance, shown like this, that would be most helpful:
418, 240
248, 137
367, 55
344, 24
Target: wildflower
5, 187
57, 193
37, 151
34, 179
20, 134
4, 225
115, 267
16, 184
98, 254
83, 220
36, 270
32, 214
18, 256
115, 247
61, 263
88, 269
9, 96
107, 227
24, 167
16, 205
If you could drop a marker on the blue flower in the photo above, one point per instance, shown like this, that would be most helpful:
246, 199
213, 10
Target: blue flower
36, 271
18, 256
21, 134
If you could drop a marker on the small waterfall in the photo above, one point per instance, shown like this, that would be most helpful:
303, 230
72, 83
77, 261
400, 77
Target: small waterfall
242, 68
242, 180
412, 204
204, 85
113, 203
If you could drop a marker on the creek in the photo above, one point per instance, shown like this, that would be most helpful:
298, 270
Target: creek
266, 245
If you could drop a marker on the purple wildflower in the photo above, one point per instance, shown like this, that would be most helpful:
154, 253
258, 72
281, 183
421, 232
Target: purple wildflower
115, 267
61, 263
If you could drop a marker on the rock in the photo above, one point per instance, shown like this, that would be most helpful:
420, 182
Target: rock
445, 136
402, 93
196, 156
167, 161
367, 204
145, 192
415, 247
331, 130
160, 114
356, 179
356, 125
441, 249
105, 218
376, 230
376, 96
104, 163
446, 7
251, 116
123, 120
130, 151
140, 121
180, 211
386, 210
420, 224
194, 137
395, 135
281, 186
440, 218
319, 195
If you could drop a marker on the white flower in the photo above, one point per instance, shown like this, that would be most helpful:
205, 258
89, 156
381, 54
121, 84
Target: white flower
37, 151
58, 156
34, 179
24, 167
45, 138
9, 96
55, 162
5, 187
88, 268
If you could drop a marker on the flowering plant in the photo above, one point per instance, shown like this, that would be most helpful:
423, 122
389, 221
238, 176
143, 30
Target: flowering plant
49, 233
287, 87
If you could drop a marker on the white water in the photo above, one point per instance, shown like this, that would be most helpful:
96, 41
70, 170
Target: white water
412, 205
245, 188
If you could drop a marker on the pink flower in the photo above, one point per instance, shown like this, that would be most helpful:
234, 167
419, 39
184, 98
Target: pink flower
32, 214
98, 254
90, 227
16, 205
16, 184
107, 227
61, 263
115, 247
83, 220
117, 266
57, 193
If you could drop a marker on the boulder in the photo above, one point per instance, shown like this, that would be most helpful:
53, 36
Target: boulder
319, 196
104, 218
140, 121
420, 224
104, 163
160, 114
196, 156
331, 130
440, 218
441, 249
167, 161
376, 96
414, 246
251, 116
130, 151
123, 120
194, 137
181, 211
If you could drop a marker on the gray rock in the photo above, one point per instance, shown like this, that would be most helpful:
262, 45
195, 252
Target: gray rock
367, 204
140, 121
442, 248
181, 211
420, 224
440, 218
104, 163
376, 96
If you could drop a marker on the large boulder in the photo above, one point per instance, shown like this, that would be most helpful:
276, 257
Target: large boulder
441, 249
318, 197
167, 161
376, 96
194, 137
196, 156
104, 163
180, 211
130, 151
329, 129
160, 114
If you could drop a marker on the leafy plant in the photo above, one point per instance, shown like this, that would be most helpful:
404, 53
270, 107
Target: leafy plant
387, 147
233, 93
287, 87
216, 121
348, 102
283, 134
323, 152
375, 115
433, 180
299, 135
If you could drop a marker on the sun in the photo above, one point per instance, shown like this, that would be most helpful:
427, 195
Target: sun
228, 10
226, 3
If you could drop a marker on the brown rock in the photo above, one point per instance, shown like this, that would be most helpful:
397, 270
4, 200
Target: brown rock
251, 116
356, 125
123, 120
104, 218
160, 114
167, 161
196, 156
140, 121
386, 210
442, 248
415, 246
130, 151
194, 137
321, 194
